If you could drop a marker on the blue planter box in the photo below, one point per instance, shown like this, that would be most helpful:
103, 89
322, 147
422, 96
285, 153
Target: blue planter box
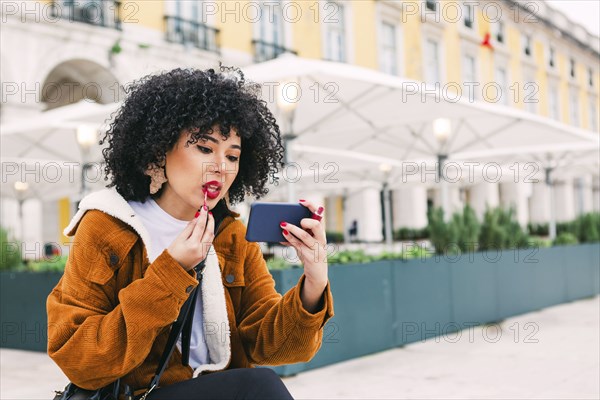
474, 288
23, 309
365, 293
422, 299
380, 305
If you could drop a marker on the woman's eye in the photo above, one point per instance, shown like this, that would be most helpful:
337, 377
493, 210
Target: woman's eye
207, 150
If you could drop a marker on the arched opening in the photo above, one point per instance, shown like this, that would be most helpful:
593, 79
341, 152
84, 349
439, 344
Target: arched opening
75, 80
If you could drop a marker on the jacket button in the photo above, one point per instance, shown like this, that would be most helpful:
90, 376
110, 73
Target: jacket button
189, 289
114, 259
229, 278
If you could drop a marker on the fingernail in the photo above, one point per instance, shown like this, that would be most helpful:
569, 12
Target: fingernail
205, 207
210, 212
197, 213
285, 232
283, 223
302, 200
320, 210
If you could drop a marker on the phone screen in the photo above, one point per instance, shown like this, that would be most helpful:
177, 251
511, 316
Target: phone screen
264, 220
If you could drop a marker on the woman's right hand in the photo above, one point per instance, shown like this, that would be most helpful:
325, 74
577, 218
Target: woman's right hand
193, 243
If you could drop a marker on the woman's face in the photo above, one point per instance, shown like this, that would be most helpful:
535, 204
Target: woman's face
189, 169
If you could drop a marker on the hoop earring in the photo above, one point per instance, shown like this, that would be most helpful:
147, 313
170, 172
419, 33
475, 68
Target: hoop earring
157, 176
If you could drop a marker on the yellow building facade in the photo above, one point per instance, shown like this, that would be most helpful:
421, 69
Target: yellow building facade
528, 57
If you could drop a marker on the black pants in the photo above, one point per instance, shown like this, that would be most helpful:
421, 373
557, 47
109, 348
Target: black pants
238, 383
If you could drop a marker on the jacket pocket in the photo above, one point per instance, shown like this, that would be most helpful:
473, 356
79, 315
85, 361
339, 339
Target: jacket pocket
232, 273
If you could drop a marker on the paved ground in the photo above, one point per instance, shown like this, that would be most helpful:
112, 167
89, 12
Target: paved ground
550, 354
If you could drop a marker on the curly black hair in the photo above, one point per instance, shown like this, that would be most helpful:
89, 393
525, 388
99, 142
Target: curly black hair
158, 108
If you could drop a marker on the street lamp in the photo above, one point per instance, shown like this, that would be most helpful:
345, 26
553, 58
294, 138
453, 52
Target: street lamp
442, 130
550, 184
86, 137
386, 169
288, 96
21, 190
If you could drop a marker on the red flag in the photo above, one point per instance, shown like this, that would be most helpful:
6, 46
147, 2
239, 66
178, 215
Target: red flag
486, 41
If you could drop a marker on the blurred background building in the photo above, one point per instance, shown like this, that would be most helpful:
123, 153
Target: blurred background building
57, 53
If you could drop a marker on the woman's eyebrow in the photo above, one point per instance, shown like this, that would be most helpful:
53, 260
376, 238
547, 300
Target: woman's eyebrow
212, 139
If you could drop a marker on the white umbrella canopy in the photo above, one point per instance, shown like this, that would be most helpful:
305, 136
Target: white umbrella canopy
354, 109
44, 151
52, 135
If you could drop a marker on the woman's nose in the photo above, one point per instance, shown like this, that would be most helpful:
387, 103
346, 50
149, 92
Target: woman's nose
217, 165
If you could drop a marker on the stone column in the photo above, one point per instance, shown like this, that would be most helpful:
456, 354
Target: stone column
484, 194
516, 194
539, 205
409, 207
565, 208
365, 207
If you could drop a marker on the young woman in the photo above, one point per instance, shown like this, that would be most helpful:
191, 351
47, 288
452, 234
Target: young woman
184, 144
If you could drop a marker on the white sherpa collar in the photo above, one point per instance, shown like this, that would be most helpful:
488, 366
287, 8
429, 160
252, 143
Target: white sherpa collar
112, 203
218, 340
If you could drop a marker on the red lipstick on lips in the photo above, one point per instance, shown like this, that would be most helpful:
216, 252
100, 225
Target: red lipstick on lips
212, 189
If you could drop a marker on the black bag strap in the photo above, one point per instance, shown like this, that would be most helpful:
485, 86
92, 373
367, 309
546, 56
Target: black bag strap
178, 325
176, 329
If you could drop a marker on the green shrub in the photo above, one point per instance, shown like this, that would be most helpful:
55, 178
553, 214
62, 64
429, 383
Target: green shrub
538, 229
386, 255
418, 252
10, 252
459, 234
565, 238
349, 256
441, 234
501, 230
55, 264
278, 263
539, 243
334, 237
468, 229
411, 233
589, 228
586, 227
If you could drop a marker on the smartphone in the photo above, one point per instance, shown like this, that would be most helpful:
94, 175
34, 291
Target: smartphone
264, 220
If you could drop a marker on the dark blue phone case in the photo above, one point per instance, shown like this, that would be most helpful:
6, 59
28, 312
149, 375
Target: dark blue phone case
264, 220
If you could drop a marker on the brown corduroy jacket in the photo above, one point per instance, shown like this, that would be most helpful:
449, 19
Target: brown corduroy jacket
110, 314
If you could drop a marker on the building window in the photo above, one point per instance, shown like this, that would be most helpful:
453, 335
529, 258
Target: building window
553, 104
591, 77
335, 34
185, 25
574, 108
93, 12
572, 67
432, 61
502, 81
469, 76
269, 39
499, 32
593, 115
551, 57
527, 45
469, 15
388, 47
431, 5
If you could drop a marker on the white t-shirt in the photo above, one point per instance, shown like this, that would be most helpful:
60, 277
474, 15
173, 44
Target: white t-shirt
163, 229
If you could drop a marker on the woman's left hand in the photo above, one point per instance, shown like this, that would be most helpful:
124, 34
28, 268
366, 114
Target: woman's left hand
311, 246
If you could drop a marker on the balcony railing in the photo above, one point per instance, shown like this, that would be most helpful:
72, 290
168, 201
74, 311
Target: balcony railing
104, 13
193, 33
264, 51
